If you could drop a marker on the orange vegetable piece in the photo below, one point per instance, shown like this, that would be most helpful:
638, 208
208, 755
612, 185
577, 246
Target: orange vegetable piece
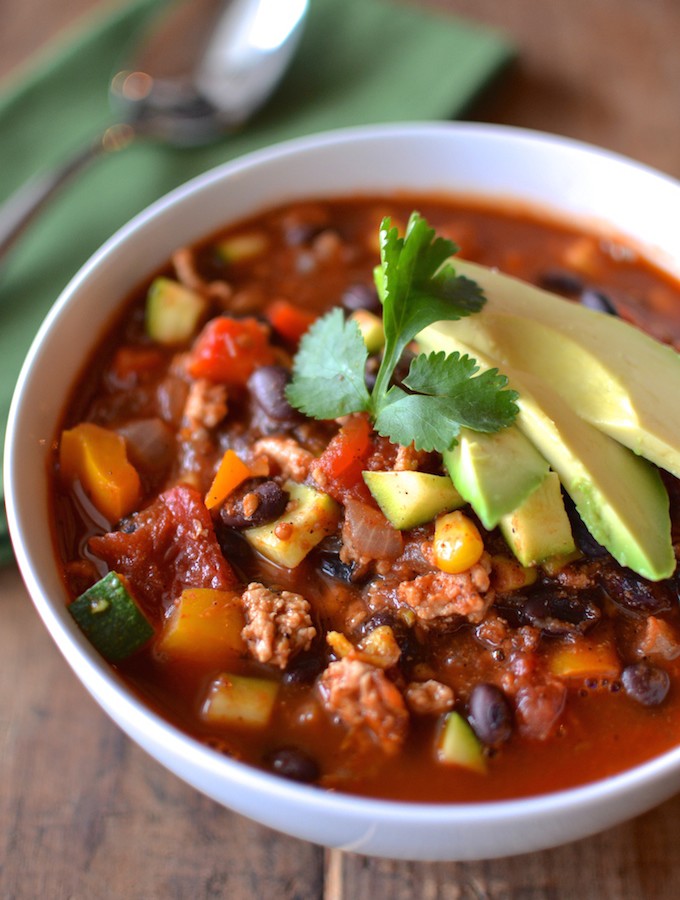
204, 626
97, 458
228, 350
288, 319
231, 472
584, 658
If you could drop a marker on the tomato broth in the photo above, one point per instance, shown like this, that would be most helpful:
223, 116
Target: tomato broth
350, 663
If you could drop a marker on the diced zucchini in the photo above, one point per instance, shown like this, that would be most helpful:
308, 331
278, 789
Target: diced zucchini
309, 517
243, 247
173, 311
239, 700
371, 328
108, 615
204, 626
459, 746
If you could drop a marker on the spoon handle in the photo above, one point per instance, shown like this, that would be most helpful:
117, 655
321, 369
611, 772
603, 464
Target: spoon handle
19, 210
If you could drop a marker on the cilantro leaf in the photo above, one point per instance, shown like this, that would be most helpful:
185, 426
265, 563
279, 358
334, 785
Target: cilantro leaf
450, 395
328, 371
482, 402
417, 289
418, 419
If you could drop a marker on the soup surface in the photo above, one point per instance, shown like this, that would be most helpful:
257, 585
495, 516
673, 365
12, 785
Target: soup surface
284, 620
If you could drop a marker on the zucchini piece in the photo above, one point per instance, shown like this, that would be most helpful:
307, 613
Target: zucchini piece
109, 617
240, 700
309, 517
172, 311
243, 247
459, 746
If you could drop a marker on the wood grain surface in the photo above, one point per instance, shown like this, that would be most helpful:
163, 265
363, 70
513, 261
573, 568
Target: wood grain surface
85, 814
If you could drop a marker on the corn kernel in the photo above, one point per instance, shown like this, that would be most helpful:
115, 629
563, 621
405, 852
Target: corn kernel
457, 544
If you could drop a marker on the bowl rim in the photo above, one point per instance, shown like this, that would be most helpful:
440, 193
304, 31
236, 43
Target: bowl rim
111, 691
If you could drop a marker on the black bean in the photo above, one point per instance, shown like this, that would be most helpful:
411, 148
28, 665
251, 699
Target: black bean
636, 595
328, 555
236, 550
298, 233
266, 501
490, 714
585, 542
646, 683
562, 611
361, 296
561, 281
596, 300
379, 619
305, 667
267, 387
290, 762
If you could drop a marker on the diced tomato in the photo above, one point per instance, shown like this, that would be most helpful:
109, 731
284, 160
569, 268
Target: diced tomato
171, 546
130, 364
228, 350
288, 319
345, 458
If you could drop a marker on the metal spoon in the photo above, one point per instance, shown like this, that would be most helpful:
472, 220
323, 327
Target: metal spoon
202, 69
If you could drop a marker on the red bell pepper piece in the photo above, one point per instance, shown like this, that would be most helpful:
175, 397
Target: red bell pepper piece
344, 459
288, 319
228, 350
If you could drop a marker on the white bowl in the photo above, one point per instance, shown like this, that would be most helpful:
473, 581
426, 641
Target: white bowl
571, 179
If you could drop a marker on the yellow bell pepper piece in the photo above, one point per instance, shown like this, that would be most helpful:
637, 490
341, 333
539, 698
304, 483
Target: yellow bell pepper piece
231, 472
97, 458
203, 626
585, 658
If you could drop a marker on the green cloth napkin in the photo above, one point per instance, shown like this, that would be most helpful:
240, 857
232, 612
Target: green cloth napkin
359, 62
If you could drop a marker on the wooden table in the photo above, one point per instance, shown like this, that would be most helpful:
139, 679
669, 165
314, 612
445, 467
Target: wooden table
85, 814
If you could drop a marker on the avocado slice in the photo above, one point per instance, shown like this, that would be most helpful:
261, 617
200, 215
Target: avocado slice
539, 529
495, 472
615, 376
619, 495
408, 499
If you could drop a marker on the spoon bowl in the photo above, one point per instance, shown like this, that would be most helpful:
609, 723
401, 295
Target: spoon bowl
206, 67
202, 68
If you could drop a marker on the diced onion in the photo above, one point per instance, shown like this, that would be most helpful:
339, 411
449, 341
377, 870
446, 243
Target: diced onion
371, 532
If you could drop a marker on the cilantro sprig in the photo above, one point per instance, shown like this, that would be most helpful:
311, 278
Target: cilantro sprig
418, 286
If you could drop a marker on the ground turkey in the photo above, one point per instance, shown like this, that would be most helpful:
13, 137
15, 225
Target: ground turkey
438, 594
278, 624
367, 703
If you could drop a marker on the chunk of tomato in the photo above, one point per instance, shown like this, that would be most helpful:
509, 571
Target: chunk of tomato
165, 548
228, 350
345, 458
